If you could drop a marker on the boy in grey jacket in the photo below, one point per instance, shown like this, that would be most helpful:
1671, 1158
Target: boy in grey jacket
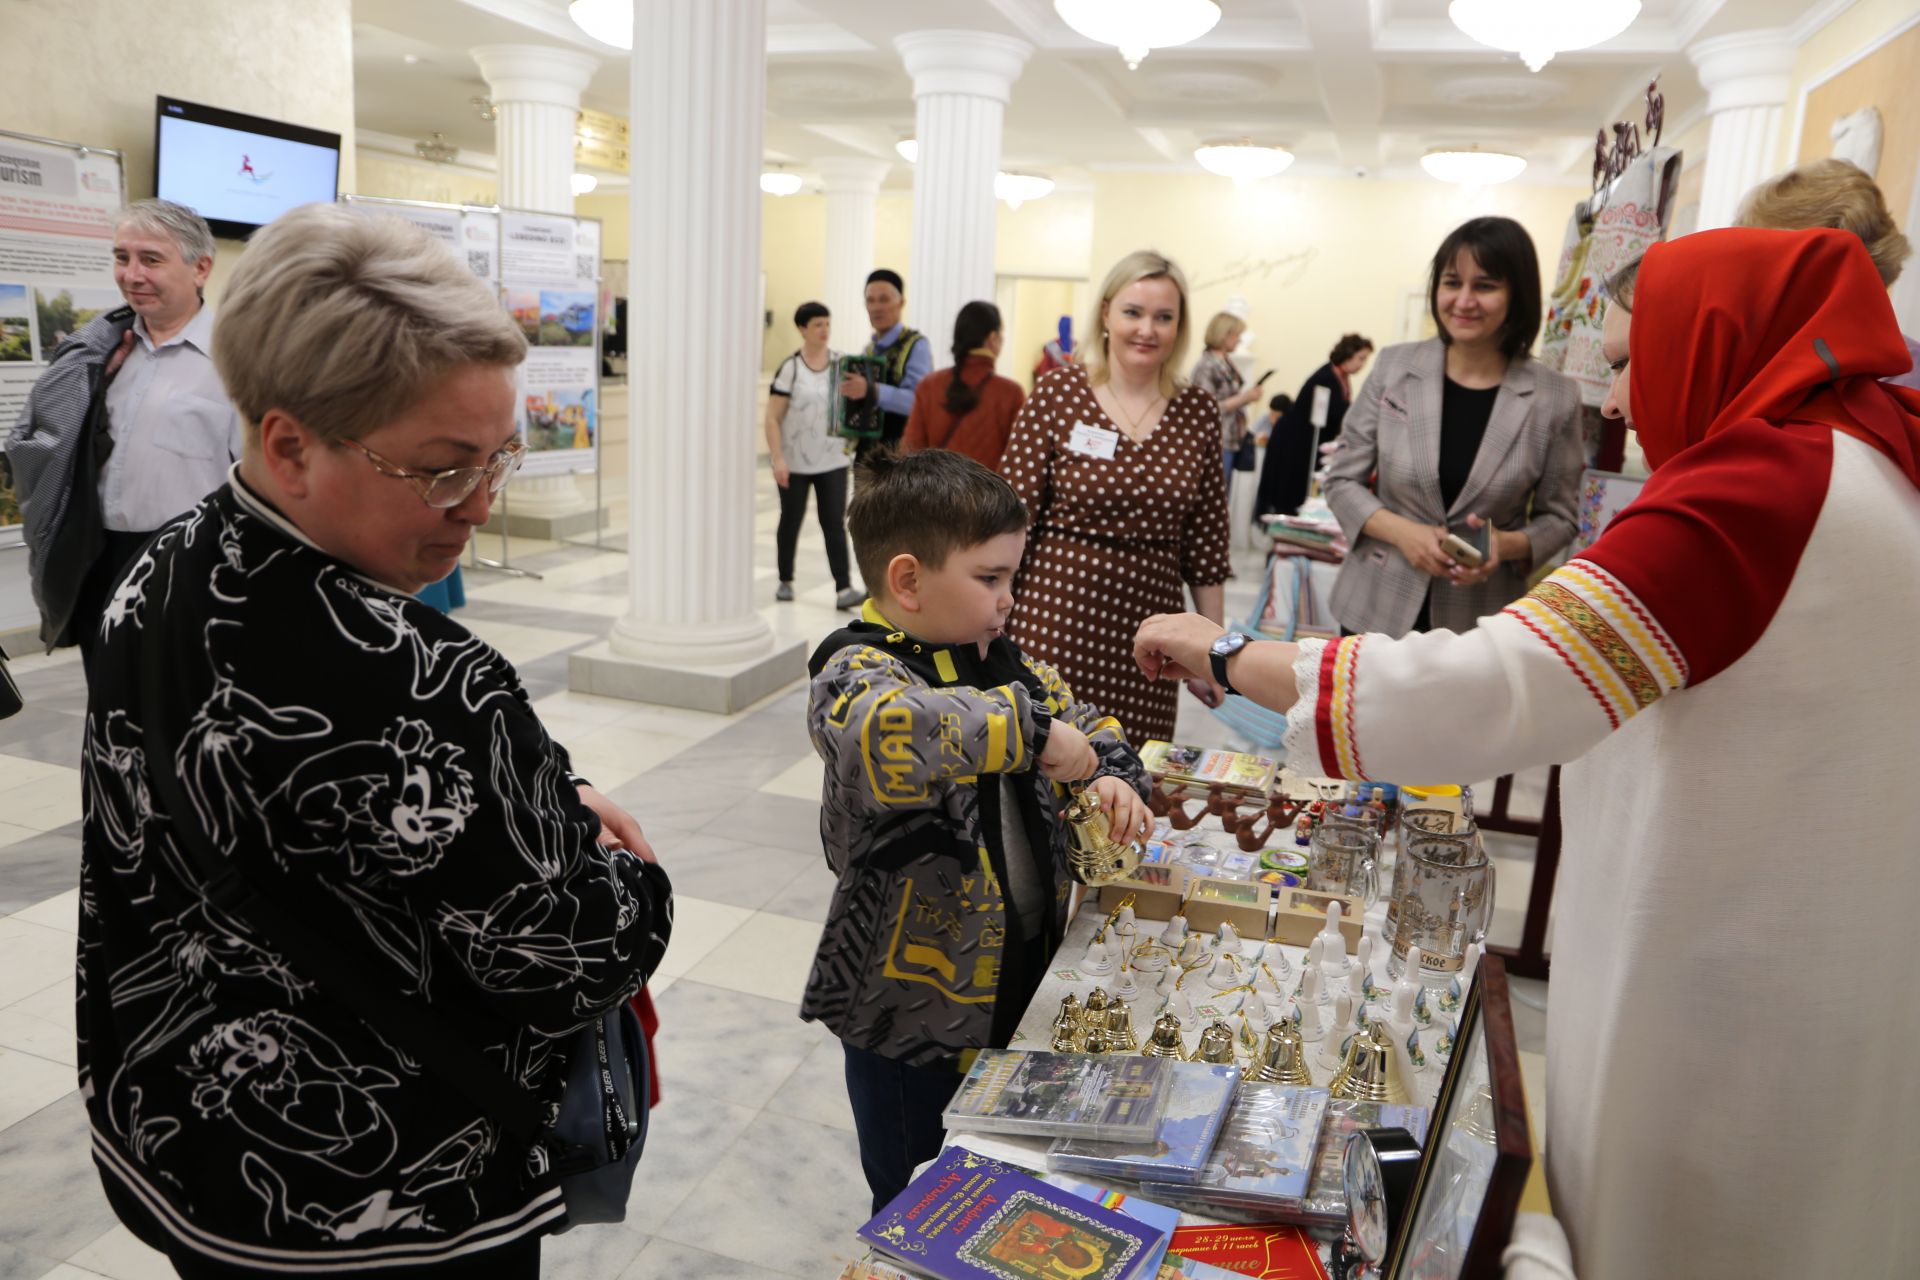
946, 756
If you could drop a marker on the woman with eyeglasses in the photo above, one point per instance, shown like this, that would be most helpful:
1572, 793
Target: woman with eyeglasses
275, 721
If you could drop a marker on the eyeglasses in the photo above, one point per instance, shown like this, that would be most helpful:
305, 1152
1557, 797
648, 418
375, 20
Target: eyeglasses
450, 488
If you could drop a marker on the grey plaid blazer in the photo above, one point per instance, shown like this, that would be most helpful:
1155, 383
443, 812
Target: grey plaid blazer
1526, 476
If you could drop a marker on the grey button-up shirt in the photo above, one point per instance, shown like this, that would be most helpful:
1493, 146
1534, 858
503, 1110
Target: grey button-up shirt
174, 433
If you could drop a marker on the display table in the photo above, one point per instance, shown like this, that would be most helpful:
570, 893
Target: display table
1065, 976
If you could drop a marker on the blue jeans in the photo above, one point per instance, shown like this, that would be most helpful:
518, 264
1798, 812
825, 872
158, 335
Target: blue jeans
896, 1112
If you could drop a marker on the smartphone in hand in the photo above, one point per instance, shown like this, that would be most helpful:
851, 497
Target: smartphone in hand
1469, 546
1261, 381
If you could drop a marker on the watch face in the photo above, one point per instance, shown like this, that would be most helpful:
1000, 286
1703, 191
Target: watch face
1366, 1199
1229, 644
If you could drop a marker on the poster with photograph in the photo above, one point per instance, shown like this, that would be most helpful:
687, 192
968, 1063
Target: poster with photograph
57, 206
550, 272
474, 237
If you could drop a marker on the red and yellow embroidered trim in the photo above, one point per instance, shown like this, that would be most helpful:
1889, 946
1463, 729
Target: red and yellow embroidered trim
1608, 640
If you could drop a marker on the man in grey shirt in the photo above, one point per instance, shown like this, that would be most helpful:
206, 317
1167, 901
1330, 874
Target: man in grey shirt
173, 433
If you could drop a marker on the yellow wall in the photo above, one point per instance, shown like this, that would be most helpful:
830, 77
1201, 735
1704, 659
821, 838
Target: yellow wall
1314, 257
87, 71
1889, 80
399, 178
793, 241
1858, 26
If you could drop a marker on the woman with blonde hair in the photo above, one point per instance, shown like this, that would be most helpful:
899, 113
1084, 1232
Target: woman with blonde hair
1119, 466
1838, 194
1216, 374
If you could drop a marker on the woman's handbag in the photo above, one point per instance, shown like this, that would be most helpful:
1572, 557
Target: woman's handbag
594, 1145
10, 699
1246, 457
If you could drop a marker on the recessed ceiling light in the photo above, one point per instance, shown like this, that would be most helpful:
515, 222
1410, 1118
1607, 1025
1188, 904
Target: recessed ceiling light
409, 58
778, 182
909, 149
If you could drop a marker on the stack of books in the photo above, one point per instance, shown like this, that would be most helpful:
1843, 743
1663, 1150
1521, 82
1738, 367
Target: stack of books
1316, 539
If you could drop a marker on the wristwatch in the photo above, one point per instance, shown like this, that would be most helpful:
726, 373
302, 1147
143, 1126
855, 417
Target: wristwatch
1224, 648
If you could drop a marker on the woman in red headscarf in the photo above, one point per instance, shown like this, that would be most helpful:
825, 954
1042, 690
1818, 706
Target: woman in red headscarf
1732, 676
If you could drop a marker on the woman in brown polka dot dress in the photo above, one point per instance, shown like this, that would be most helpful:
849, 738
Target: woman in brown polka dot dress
1120, 469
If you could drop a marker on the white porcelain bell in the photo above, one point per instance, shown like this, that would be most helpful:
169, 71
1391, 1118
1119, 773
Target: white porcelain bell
1125, 987
1126, 928
1099, 958
1226, 938
1169, 977
1193, 951
1361, 968
1227, 971
1307, 1012
1174, 934
1333, 948
1180, 1005
1332, 1046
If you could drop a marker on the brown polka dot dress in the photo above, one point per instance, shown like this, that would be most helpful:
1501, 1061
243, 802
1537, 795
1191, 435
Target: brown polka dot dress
1113, 540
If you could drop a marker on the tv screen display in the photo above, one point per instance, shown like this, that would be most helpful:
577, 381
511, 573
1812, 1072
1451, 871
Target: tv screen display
240, 172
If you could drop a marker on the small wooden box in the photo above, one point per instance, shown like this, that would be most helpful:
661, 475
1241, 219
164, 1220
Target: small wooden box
1150, 901
1301, 913
1244, 904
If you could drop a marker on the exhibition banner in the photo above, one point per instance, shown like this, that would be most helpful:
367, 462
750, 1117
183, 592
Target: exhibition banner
549, 277
57, 206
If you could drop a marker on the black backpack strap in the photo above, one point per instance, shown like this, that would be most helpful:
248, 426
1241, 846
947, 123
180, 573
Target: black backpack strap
412, 1025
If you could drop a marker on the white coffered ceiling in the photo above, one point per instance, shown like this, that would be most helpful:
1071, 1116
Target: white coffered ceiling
1348, 85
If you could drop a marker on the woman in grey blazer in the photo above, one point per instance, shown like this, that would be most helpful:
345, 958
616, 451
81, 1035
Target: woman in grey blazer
1454, 433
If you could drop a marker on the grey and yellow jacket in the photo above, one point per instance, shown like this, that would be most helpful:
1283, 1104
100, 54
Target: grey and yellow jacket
922, 956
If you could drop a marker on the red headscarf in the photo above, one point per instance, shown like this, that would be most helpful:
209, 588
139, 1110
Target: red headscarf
1783, 326
1750, 350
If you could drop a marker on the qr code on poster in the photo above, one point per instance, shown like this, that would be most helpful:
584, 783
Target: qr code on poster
480, 262
584, 267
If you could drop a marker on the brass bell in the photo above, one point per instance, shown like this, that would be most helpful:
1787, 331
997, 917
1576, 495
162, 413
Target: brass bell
1120, 1037
1096, 1041
1094, 856
1216, 1044
1371, 1072
1070, 1010
1066, 1033
1165, 1042
1097, 1001
1283, 1058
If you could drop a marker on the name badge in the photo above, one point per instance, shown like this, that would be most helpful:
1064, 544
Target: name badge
1092, 441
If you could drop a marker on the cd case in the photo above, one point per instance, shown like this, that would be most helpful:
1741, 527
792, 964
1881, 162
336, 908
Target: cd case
1197, 1103
1326, 1198
1263, 1157
1097, 1097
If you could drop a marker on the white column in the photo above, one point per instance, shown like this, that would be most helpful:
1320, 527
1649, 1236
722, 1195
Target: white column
961, 83
690, 636
1746, 76
536, 102
851, 185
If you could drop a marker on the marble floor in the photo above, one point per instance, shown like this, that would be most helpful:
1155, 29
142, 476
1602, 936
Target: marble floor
751, 1168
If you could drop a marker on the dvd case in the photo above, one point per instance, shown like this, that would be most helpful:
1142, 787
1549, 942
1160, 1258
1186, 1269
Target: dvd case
1326, 1198
1034, 1093
1197, 1103
1264, 1154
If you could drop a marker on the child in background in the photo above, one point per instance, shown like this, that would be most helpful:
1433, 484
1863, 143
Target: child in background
1276, 410
945, 752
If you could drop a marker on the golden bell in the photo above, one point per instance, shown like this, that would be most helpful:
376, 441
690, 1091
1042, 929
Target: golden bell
1094, 856
1216, 1044
1120, 1037
1165, 1042
1370, 1073
1097, 1041
1066, 1032
1097, 1002
1069, 1010
1283, 1058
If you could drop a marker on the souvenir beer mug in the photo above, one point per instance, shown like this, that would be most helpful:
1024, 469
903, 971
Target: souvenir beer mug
1443, 903
1426, 821
1342, 859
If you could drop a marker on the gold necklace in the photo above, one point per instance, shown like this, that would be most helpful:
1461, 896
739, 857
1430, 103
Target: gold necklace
1133, 423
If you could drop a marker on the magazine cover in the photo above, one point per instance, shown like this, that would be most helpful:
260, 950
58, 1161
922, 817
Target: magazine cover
1197, 1103
1161, 1218
969, 1216
1265, 1151
1116, 1099
1233, 769
1271, 1252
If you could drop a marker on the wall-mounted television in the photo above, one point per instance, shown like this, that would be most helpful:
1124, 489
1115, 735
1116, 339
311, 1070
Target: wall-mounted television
240, 172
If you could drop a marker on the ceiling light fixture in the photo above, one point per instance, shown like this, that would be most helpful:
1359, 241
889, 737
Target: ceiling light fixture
1018, 188
584, 183
1536, 31
1136, 26
1243, 159
484, 105
438, 149
608, 21
409, 58
909, 149
1472, 167
778, 182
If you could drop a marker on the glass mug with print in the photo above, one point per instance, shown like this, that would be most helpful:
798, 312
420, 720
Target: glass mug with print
1343, 859
1427, 821
1444, 904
